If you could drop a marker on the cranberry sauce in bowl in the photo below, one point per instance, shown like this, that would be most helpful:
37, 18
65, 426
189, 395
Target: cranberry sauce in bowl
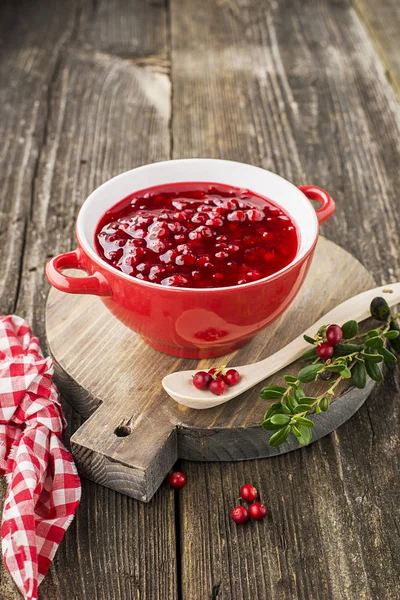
196, 235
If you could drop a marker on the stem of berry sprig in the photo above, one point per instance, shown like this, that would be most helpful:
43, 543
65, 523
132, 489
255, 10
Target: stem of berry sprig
331, 356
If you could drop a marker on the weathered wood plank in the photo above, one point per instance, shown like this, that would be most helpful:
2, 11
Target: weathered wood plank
382, 23
72, 115
297, 87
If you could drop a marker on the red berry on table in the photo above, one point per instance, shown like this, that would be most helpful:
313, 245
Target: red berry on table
334, 334
248, 492
232, 377
176, 479
201, 380
258, 511
217, 386
325, 350
240, 515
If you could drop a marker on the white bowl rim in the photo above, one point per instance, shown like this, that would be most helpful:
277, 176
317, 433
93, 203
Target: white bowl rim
301, 254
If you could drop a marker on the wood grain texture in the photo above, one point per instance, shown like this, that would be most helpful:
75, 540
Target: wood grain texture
297, 87
115, 384
382, 23
76, 110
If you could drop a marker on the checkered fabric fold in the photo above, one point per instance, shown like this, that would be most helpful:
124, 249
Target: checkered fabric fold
43, 487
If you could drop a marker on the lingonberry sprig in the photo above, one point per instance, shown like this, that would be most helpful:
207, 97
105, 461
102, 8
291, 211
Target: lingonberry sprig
339, 352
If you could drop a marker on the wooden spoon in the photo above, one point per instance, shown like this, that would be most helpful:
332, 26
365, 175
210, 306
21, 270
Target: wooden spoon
179, 385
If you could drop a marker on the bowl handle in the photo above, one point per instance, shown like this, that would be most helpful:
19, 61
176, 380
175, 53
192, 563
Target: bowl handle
93, 284
327, 203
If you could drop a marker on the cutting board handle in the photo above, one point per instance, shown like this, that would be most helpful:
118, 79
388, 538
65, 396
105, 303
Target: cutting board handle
134, 464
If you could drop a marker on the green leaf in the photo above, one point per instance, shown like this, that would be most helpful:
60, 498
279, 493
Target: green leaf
392, 334
373, 333
345, 349
359, 375
304, 421
279, 437
310, 354
273, 410
299, 394
373, 370
289, 379
309, 373
372, 357
280, 419
388, 357
317, 410
286, 409
379, 309
291, 402
269, 426
335, 368
346, 373
308, 400
350, 329
309, 339
301, 408
395, 342
303, 434
374, 342
324, 404
272, 392
296, 431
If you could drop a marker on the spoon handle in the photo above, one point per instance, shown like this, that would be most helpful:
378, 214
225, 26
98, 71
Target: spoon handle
356, 308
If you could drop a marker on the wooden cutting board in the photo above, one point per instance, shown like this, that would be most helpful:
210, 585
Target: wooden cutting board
111, 376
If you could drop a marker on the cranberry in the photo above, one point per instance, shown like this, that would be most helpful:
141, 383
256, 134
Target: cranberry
215, 371
334, 334
155, 272
202, 260
253, 274
232, 377
180, 237
215, 222
325, 350
201, 380
221, 255
240, 515
175, 280
185, 259
176, 480
258, 511
248, 492
237, 215
199, 218
254, 215
217, 386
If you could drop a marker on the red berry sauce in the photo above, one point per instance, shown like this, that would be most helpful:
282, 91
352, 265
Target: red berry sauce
196, 235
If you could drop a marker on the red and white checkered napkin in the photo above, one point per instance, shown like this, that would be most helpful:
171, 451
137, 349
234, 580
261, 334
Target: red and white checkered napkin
43, 486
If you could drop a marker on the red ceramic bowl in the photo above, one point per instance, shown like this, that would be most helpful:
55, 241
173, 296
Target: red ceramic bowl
173, 319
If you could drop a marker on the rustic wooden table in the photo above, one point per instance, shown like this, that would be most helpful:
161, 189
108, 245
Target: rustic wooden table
306, 88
